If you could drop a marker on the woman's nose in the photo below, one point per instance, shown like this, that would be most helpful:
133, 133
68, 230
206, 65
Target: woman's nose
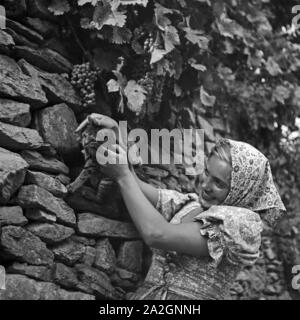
206, 183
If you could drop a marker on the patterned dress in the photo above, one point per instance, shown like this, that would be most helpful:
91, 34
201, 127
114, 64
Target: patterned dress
233, 235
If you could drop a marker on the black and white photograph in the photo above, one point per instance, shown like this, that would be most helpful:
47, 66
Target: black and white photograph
149, 151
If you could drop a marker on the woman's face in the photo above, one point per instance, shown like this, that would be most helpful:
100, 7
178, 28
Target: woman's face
216, 182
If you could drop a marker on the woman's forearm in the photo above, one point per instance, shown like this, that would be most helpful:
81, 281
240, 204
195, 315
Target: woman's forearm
146, 218
150, 192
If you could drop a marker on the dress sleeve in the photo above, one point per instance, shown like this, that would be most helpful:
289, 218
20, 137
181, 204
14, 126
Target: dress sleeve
171, 201
233, 233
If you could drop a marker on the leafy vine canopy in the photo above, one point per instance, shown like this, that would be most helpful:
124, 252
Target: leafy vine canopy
232, 58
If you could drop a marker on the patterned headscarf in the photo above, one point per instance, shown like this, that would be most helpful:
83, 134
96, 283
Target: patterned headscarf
252, 184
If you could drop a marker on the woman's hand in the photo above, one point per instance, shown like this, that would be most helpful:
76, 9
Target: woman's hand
113, 162
99, 120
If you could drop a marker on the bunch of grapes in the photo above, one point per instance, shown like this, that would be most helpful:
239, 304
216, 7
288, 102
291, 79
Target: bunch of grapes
83, 78
148, 43
145, 38
147, 82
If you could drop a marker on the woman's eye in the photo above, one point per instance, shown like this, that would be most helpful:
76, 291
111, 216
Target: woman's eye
220, 184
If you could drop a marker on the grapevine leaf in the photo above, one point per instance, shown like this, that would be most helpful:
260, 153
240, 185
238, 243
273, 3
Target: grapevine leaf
100, 16
296, 97
160, 16
281, 93
134, 2
121, 35
59, 7
182, 3
196, 37
206, 99
229, 28
136, 96
193, 63
104, 15
163, 67
85, 23
171, 38
225, 73
272, 67
177, 90
178, 63
113, 86
116, 18
83, 2
157, 55
137, 47
121, 79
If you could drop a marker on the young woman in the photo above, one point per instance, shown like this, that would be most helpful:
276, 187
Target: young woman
200, 242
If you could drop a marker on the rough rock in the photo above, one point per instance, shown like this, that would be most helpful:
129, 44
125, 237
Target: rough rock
95, 226
20, 40
65, 276
130, 256
50, 233
19, 287
39, 215
12, 216
32, 196
45, 59
43, 273
46, 182
25, 31
63, 179
38, 162
57, 125
125, 279
89, 256
6, 42
69, 251
15, 113
155, 172
81, 204
12, 174
18, 138
57, 88
66, 215
105, 256
16, 85
95, 282
22, 245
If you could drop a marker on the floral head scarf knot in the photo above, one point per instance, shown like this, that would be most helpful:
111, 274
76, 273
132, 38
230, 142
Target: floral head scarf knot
252, 184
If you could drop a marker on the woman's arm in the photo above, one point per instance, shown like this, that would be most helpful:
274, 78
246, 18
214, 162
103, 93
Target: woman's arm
155, 230
149, 191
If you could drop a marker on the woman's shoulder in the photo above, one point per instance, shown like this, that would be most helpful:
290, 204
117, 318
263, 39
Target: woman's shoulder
232, 231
